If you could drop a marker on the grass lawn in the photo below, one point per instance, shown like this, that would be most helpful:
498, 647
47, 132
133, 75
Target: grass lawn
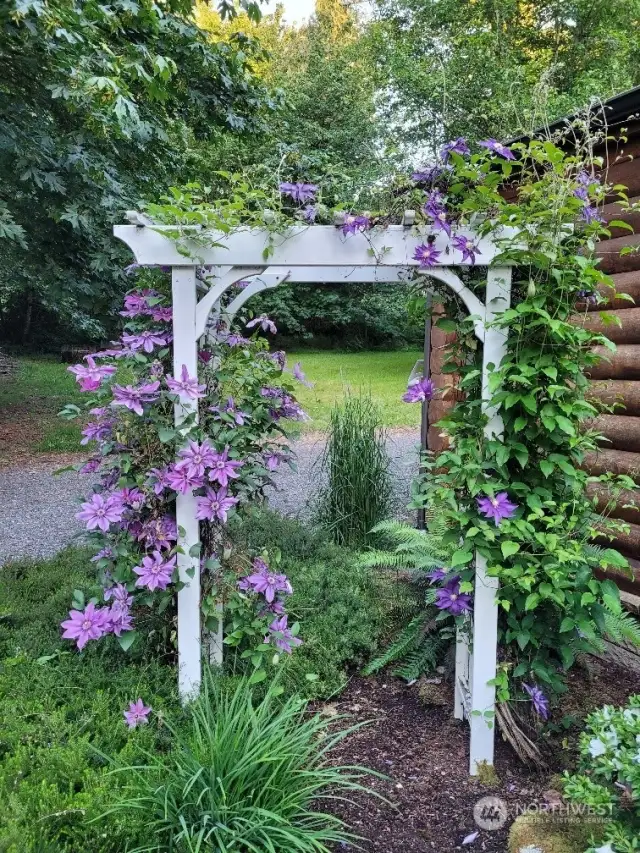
29, 405
31, 400
385, 374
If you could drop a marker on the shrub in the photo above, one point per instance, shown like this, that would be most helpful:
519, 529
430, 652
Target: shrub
241, 775
608, 780
344, 608
356, 465
56, 707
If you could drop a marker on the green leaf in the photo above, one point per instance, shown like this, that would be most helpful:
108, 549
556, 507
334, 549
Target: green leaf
165, 434
520, 423
509, 548
258, 676
533, 599
461, 558
546, 468
567, 624
446, 325
127, 639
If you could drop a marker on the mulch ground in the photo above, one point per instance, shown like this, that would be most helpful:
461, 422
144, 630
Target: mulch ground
425, 754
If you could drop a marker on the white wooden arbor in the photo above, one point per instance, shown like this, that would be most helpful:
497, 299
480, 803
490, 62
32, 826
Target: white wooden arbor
322, 254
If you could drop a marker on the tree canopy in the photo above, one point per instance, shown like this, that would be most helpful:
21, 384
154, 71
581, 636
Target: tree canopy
104, 106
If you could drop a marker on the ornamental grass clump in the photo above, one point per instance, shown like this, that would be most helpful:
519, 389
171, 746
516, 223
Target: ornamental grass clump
357, 491
242, 775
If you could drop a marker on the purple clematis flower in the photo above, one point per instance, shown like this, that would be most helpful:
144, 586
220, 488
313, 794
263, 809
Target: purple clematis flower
133, 398
310, 213
590, 213
146, 340
427, 255
282, 636
450, 598
181, 480
119, 593
265, 324
159, 533
137, 715
437, 575
155, 572
135, 305
299, 191
90, 377
104, 554
419, 391
215, 505
441, 222
223, 469
84, 625
97, 431
120, 619
99, 512
498, 148
352, 224
187, 386
266, 582
198, 457
456, 146
497, 508
158, 478
467, 247
538, 700
299, 375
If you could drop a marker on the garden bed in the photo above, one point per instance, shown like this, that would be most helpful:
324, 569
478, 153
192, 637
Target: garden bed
425, 753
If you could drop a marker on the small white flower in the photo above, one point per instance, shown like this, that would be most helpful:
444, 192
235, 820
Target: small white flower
596, 747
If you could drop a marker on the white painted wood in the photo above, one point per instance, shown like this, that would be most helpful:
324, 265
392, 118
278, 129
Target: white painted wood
258, 284
301, 256
485, 612
215, 292
306, 246
461, 694
471, 301
185, 353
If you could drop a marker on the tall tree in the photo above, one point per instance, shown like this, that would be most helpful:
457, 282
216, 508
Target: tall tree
101, 105
498, 67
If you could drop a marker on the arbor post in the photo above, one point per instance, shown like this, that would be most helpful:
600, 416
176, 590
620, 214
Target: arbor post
485, 610
185, 353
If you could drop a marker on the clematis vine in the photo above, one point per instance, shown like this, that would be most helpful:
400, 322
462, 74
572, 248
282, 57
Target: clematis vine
135, 398
497, 508
264, 323
450, 598
299, 191
137, 714
467, 247
538, 700
427, 255
100, 512
90, 376
498, 148
92, 623
155, 571
419, 391
353, 223
187, 386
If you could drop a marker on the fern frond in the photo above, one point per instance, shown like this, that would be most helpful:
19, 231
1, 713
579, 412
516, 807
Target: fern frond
422, 659
406, 640
621, 627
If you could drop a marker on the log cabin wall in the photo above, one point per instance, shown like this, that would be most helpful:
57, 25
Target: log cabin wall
616, 379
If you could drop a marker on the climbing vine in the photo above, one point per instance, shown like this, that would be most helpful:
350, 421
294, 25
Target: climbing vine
519, 499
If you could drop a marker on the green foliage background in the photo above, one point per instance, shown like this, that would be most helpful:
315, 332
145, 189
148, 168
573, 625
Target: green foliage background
104, 106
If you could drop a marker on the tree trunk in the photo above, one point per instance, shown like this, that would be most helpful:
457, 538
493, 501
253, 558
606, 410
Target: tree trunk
624, 363
624, 395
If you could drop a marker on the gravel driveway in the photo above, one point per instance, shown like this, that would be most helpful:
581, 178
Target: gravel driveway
37, 509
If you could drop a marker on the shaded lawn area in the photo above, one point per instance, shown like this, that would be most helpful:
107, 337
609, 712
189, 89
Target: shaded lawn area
29, 404
31, 399
385, 374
